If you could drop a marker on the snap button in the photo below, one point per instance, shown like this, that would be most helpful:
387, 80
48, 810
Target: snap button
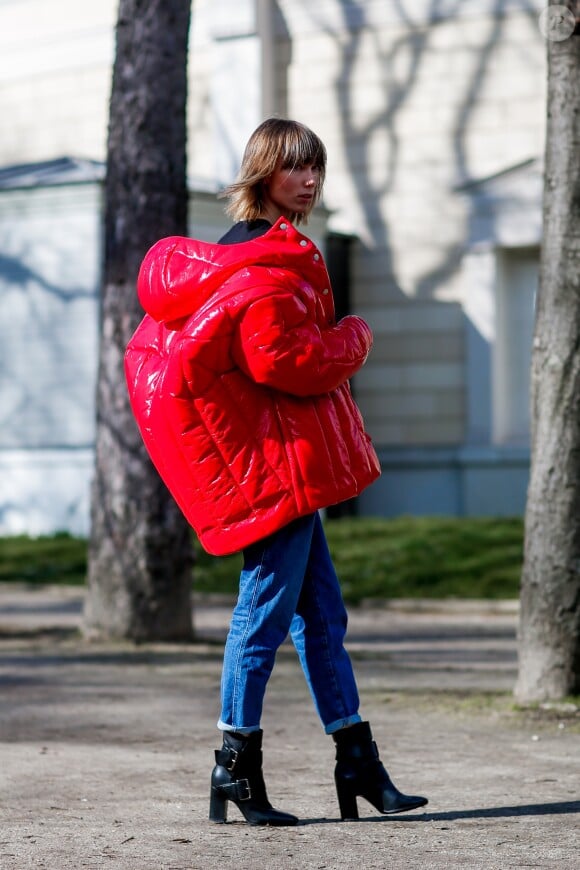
283, 226
326, 291
317, 257
303, 243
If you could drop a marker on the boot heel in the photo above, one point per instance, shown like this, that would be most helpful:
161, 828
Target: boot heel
218, 807
346, 800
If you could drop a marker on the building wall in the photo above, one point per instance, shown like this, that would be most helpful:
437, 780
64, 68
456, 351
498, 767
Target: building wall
49, 275
56, 61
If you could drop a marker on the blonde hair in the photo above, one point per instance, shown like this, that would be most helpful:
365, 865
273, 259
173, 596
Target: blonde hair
276, 141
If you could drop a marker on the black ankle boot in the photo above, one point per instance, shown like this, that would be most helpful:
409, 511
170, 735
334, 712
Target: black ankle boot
238, 777
359, 772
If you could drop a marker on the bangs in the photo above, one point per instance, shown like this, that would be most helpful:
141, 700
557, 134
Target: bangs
302, 147
281, 142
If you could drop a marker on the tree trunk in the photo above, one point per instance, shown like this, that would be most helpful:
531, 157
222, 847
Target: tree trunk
140, 556
549, 634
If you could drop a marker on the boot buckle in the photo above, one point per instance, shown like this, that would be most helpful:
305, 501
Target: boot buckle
232, 759
244, 790
238, 790
227, 758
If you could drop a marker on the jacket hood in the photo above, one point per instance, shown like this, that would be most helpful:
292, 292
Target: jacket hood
178, 274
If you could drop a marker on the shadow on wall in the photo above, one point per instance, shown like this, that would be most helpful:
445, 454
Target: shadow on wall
437, 154
48, 335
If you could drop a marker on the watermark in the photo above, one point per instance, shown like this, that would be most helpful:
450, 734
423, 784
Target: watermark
557, 23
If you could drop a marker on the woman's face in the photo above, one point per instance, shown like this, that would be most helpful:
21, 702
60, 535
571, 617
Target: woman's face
290, 191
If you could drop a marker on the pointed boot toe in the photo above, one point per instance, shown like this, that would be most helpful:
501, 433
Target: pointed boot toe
391, 800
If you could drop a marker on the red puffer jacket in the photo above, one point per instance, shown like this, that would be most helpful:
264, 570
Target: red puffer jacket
238, 378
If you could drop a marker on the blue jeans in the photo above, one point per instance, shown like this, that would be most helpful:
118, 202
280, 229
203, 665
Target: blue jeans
288, 584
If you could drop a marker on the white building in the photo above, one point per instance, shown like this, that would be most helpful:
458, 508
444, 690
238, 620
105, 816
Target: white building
433, 115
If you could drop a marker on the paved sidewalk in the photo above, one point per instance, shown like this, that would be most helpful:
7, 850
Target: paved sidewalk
106, 749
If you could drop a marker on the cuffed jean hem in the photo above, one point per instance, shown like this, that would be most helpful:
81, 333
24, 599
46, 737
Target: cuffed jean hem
342, 723
223, 726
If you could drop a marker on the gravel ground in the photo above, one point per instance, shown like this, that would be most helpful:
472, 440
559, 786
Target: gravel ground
106, 749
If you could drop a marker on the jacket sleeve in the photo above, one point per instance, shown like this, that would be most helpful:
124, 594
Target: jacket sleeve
279, 344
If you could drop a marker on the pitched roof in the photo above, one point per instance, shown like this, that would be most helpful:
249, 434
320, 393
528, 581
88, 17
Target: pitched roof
61, 170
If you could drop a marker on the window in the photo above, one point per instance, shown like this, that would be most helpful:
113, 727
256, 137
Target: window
516, 285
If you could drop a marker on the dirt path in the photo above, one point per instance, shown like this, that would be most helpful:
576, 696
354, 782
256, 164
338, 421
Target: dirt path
106, 750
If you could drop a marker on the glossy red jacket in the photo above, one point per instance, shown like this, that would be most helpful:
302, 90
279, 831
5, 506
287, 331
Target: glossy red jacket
238, 379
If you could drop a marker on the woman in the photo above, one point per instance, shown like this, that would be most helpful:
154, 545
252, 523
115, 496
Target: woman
238, 377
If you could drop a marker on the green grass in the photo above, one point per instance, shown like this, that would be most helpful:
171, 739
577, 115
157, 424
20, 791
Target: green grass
430, 557
427, 557
59, 558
